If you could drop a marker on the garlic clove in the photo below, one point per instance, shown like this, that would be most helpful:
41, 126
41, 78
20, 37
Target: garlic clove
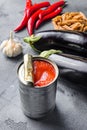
3, 44
8, 51
17, 50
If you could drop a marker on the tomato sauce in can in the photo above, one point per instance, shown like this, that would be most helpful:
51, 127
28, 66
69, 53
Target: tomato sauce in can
43, 72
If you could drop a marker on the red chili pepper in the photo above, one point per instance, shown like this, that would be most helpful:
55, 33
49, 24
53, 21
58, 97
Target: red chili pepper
49, 16
37, 7
51, 8
29, 10
31, 22
24, 20
28, 4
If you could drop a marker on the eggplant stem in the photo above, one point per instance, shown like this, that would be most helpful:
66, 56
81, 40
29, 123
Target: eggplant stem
32, 39
47, 53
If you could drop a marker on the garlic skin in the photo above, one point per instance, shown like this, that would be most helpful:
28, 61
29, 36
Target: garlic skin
11, 47
3, 44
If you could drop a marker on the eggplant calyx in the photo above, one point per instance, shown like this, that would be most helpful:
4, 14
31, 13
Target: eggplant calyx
47, 53
32, 39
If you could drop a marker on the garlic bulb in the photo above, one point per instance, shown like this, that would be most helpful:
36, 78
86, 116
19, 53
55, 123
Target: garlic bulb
11, 47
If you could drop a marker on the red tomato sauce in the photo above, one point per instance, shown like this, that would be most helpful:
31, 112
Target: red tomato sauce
44, 73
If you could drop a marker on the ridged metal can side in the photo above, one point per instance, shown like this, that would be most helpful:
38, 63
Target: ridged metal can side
37, 101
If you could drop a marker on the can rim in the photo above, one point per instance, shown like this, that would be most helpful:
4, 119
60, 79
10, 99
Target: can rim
43, 59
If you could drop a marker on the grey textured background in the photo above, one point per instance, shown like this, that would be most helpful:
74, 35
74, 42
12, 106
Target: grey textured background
71, 102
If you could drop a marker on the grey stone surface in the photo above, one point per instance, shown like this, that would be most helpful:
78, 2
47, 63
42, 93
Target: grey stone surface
71, 102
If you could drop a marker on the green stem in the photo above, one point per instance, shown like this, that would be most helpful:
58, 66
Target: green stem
47, 53
31, 39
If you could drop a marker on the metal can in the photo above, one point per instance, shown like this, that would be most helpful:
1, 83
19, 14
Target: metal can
37, 101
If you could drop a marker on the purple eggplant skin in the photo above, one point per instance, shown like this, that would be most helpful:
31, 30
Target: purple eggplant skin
72, 68
72, 62
74, 79
67, 41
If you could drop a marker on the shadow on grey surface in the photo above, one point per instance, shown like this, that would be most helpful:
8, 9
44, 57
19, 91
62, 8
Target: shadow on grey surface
75, 78
53, 120
17, 58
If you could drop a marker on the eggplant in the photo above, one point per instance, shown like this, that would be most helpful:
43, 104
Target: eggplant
69, 42
72, 62
72, 57
72, 69
72, 46
66, 61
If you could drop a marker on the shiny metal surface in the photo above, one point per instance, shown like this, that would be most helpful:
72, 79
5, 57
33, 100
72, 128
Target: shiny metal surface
37, 101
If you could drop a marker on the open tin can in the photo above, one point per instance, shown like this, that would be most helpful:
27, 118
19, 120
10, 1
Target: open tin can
37, 101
